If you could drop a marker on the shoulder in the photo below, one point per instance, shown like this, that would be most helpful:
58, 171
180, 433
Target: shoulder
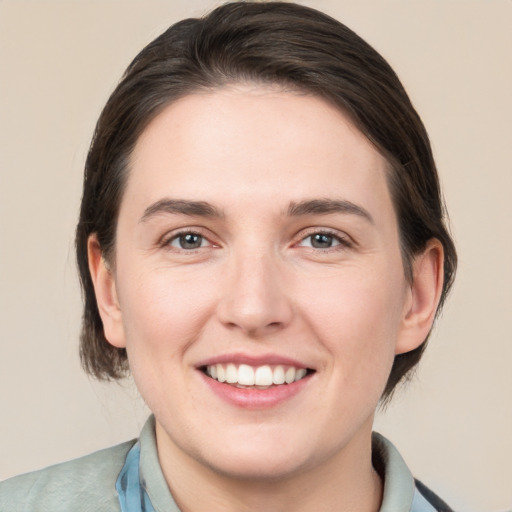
84, 484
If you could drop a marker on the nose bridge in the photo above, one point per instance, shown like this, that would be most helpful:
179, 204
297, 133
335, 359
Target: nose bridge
254, 298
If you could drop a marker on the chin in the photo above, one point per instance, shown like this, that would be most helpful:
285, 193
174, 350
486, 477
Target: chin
261, 468
253, 460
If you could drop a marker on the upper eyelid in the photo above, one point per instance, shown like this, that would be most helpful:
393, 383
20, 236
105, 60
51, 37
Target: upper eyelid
342, 242
176, 233
342, 235
301, 235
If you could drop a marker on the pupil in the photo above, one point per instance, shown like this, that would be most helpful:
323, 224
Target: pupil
190, 241
321, 241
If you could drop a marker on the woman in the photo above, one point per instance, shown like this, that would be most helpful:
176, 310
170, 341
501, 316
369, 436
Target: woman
262, 245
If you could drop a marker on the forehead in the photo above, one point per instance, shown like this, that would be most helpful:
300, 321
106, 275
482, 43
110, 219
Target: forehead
256, 144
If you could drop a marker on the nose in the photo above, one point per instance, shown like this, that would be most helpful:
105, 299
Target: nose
254, 298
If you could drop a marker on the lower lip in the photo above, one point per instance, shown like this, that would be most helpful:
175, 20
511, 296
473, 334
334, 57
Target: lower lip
253, 398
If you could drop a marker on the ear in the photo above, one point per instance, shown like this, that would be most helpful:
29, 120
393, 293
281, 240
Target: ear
106, 294
423, 297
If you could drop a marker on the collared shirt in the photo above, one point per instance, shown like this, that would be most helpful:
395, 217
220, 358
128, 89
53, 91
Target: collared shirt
149, 488
88, 484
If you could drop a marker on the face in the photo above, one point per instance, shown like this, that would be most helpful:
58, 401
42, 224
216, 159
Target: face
258, 284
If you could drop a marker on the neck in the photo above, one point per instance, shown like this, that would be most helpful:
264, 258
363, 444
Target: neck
342, 483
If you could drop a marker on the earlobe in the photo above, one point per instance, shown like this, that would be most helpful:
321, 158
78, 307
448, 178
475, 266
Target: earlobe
423, 297
106, 294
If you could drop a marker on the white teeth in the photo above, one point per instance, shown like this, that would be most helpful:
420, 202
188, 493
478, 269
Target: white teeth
261, 376
245, 375
289, 376
300, 374
221, 373
278, 376
231, 374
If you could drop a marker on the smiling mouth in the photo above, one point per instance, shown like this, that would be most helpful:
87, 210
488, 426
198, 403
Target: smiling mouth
255, 377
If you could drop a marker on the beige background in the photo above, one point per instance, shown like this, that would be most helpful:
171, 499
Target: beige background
58, 63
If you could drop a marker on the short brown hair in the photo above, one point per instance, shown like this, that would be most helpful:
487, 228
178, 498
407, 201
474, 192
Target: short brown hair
269, 43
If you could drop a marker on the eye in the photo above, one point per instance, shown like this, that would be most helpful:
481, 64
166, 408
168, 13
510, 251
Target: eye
322, 240
188, 241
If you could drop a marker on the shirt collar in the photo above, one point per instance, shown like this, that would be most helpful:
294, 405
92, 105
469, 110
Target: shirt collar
151, 476
399, 486
398, 481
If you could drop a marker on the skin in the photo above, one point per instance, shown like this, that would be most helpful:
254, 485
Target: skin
257, 287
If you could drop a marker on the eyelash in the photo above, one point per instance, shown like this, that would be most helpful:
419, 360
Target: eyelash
168, 240
342, 242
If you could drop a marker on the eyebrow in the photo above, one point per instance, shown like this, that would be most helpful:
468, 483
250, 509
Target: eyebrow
295, 209
326, 207
180, 207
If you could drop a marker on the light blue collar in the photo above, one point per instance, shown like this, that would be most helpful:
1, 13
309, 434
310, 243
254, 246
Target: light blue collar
132, 495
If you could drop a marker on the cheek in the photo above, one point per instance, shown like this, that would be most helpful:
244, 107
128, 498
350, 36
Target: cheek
358, 317
162, 317
163, 312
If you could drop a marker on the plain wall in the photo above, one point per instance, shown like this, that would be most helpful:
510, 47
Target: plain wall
58, 63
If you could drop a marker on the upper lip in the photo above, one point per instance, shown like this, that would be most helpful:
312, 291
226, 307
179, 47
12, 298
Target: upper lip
253, 360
